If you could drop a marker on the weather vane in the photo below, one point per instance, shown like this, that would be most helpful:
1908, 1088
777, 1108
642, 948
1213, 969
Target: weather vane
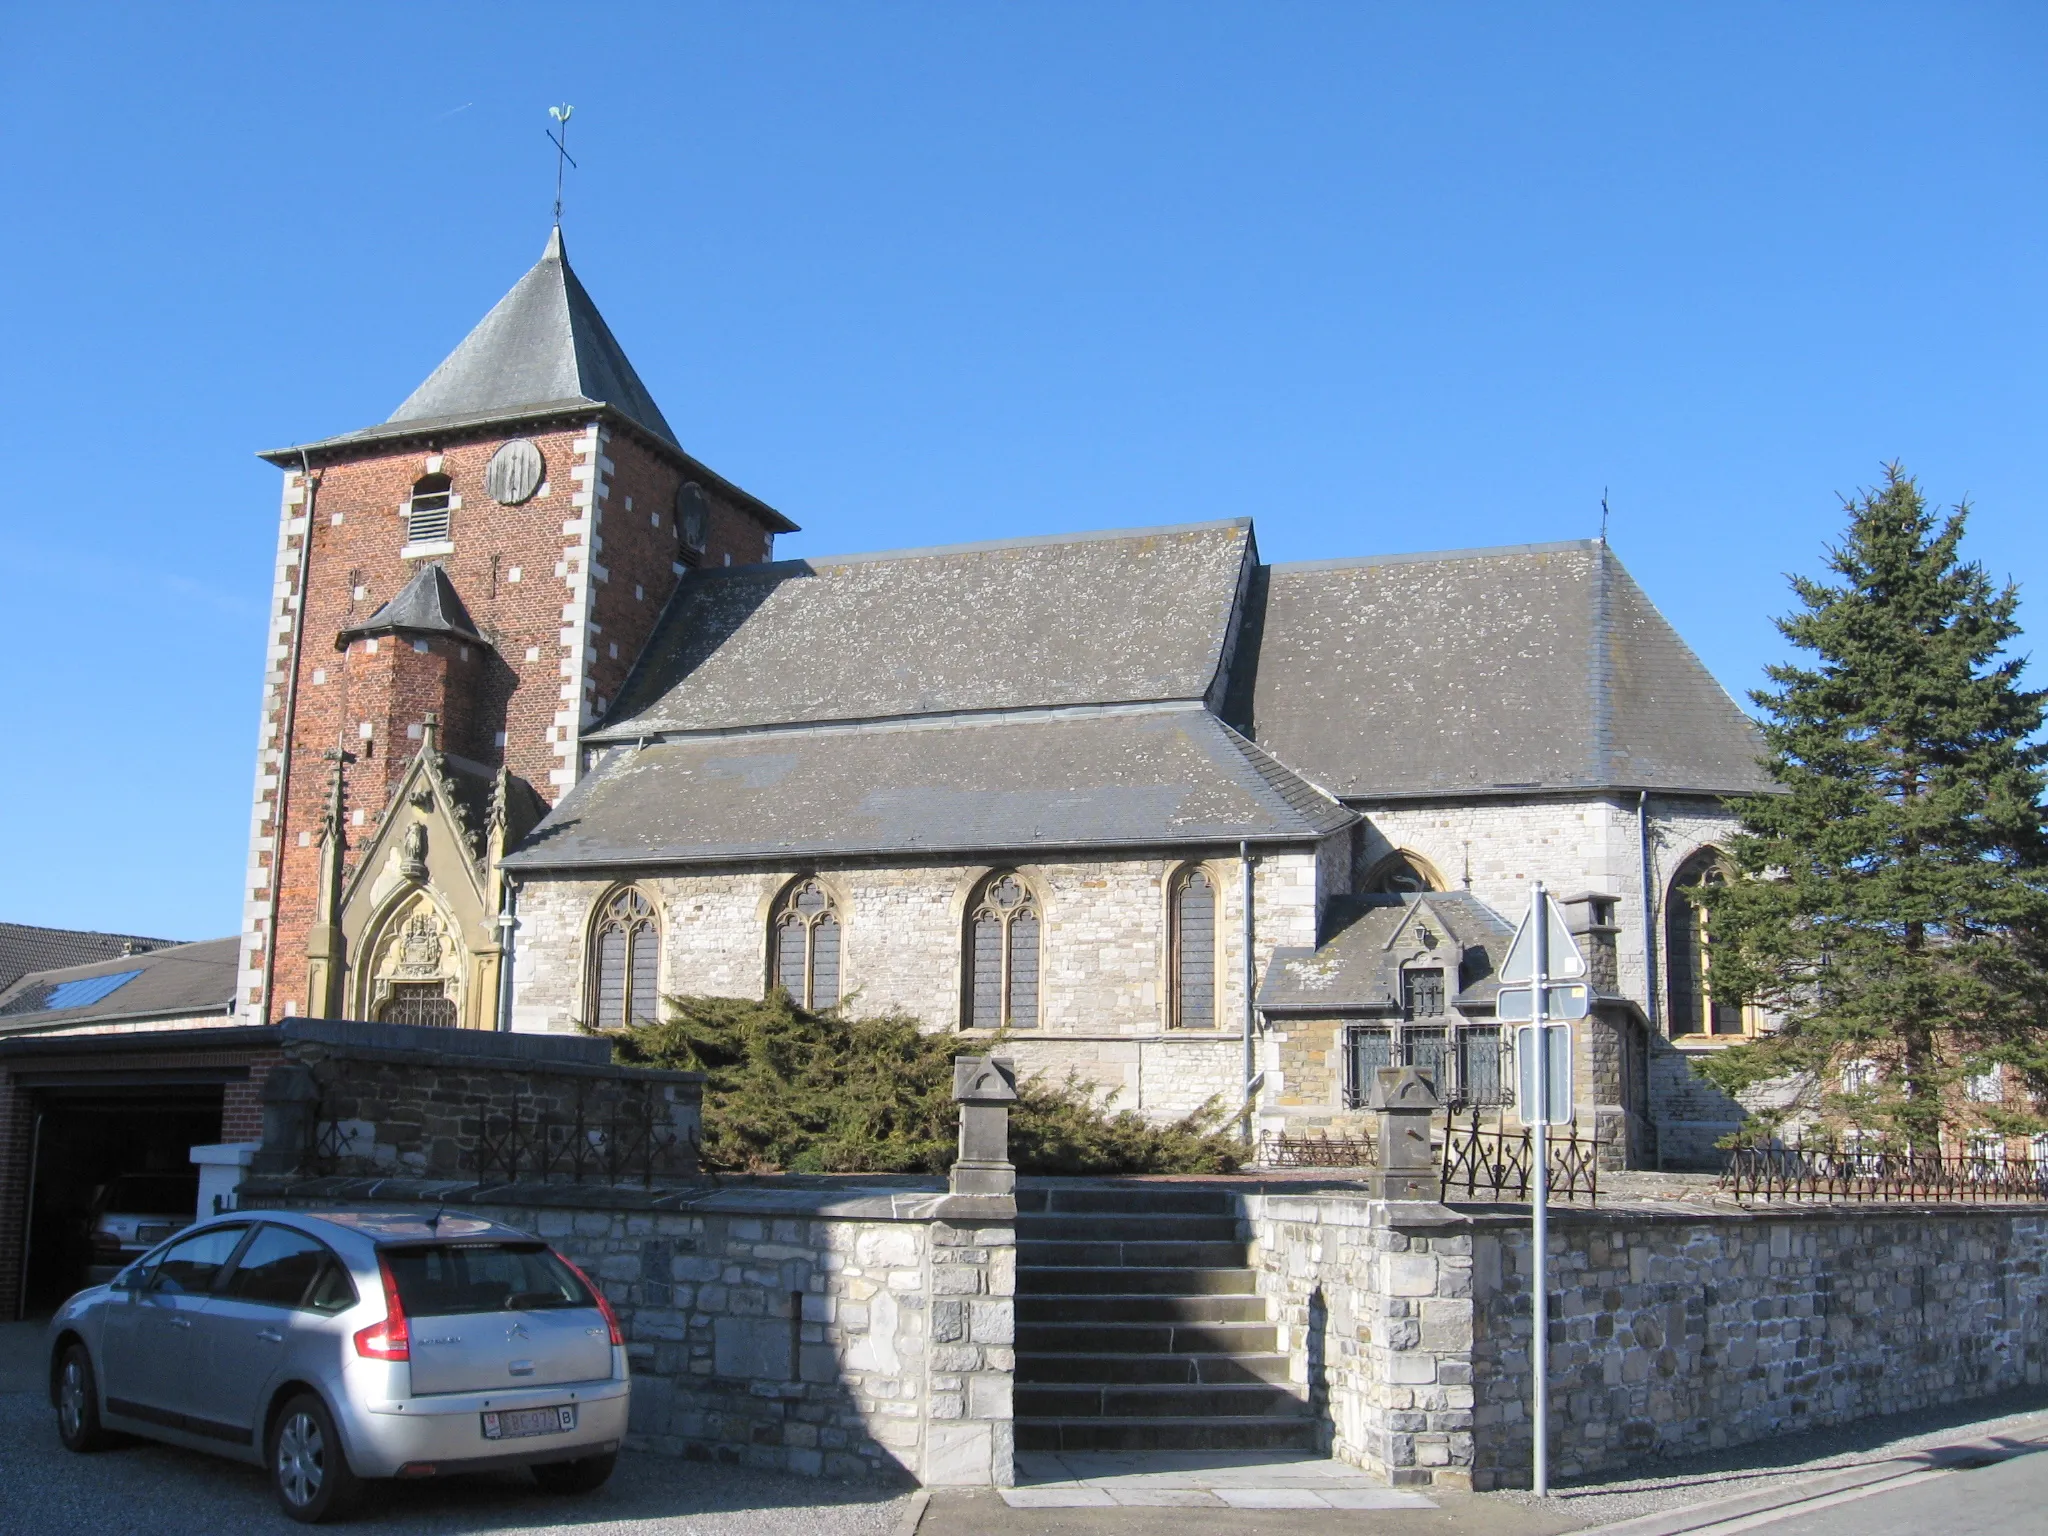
560, 140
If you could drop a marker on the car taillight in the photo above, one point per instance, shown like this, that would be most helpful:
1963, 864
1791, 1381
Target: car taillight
611, 1318
392, 1338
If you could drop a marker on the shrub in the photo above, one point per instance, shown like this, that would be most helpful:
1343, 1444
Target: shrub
801, 1092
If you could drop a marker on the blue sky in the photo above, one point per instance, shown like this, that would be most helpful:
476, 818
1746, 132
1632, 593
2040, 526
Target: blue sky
1382, 277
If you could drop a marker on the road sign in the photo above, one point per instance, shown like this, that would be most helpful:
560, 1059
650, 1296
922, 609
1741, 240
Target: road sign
1527, 1052
1564, 957
1561, 1000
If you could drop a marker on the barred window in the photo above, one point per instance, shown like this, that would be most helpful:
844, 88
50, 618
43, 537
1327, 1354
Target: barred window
1485, 1072
1371, 1049
1194, 951
419, 1002
1422, 993
1429, 1050
426, 514
625, 962
1002, 955
806, 938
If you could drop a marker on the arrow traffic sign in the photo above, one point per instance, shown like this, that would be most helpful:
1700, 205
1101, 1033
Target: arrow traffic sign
1564, 959
1561, 1000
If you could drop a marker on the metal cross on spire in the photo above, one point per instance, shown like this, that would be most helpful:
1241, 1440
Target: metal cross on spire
560, 139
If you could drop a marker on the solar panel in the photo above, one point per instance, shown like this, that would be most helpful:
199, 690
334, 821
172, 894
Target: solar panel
82, 993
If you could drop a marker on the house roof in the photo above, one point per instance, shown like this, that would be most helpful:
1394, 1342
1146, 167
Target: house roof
179, 980
1536, 667
25, 948
1100, 618
425, 605
1355, 969
1140, 776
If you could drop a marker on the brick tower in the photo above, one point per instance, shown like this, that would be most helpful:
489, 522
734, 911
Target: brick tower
460, 591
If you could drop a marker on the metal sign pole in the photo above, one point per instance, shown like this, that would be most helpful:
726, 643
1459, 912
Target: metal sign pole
1539, 1198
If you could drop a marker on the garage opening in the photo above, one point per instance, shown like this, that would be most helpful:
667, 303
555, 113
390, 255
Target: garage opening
112, 1175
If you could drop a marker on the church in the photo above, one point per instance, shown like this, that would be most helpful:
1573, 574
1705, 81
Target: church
548, 733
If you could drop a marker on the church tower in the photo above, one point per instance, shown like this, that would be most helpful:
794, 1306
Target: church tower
460, 591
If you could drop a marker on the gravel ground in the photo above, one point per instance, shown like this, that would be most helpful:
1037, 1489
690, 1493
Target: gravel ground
1762, 1466
154, 1490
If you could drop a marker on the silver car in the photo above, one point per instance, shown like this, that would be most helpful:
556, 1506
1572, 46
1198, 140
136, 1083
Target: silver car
335, 1346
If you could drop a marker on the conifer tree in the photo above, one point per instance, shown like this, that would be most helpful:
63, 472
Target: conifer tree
1897, 907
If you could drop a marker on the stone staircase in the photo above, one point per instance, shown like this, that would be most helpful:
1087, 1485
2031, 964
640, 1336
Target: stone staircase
1140, 1328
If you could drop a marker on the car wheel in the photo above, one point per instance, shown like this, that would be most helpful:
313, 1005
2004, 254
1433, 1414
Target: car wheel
78, 1404
582, 1476
307, 1467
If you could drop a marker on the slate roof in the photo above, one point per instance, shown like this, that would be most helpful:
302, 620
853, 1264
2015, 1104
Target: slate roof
179, 980
425, 605
25, 948
1540, 666
1157, 777
1353, 969
1101, 618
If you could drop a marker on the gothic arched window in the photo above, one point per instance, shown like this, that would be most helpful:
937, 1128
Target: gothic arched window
625, 962
1002, 955
426, 514
806, 939
1689, 951
1194, 950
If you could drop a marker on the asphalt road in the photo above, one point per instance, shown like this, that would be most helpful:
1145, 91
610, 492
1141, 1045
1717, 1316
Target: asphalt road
154, 1490
2007, 1498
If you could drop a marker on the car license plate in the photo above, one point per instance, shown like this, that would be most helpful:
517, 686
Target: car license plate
516, 1423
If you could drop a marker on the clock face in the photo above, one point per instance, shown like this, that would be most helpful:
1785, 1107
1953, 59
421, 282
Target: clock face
515, 472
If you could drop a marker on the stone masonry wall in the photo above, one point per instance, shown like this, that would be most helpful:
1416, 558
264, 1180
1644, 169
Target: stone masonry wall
1670, 1333
835, 1331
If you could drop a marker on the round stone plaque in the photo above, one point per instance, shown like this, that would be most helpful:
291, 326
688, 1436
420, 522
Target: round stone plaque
515, 472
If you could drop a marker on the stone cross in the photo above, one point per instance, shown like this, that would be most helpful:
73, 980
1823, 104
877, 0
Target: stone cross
984, 1087
1404, 1098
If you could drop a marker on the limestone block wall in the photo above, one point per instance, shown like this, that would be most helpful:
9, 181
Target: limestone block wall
840, 1332
1408, 1325
1104, 997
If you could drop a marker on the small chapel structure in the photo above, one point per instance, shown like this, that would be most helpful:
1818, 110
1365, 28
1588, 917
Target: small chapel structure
549, 733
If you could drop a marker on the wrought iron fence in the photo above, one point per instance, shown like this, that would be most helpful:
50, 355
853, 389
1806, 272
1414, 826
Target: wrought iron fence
1491, 1162
1857, 1170
627, 1142
1317, 1150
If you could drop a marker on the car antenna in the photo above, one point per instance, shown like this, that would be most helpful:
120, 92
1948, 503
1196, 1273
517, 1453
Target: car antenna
436, 1222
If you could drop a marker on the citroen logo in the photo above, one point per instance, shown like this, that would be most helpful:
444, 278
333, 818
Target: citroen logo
516, 1331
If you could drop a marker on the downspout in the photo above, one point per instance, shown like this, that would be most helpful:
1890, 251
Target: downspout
1650, 979
508, 924
1244, 859
286, 734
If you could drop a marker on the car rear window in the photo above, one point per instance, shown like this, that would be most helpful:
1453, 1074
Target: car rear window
447, 1279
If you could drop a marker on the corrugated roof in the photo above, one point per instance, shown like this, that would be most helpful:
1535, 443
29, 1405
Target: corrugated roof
1534, 667
1104, 618
25, 948
1157, 777
426, 605
179, 980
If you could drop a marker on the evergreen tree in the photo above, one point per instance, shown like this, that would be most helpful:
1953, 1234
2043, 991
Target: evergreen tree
1897, 905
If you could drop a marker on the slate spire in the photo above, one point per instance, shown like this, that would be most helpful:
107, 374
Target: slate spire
543, 345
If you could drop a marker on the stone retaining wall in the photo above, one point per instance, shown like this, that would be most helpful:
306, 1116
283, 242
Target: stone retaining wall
816, 1328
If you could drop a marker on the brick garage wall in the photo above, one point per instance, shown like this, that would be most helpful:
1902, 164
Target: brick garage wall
1103, 957
17, 1126
843, 1332
1670, 1334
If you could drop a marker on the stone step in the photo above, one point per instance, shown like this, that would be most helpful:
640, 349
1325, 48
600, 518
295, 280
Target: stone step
1033, 1254
1251, 1434
1130, 1281
1146, 1338
1099, 1308
1237, 1400
1161, 1200
1167, 1370
1109, 1227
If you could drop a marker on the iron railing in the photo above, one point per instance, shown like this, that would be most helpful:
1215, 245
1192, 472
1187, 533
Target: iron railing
626, 1142
1317, 1150
1491, 1162
1859, 1171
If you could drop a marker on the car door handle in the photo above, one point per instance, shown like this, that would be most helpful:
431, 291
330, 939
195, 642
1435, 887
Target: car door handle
181, 1322
270, 1335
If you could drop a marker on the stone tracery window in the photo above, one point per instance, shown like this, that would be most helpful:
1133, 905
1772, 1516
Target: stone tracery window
806, 935
1193, 948
1689, 953
1003, 926
625, 961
